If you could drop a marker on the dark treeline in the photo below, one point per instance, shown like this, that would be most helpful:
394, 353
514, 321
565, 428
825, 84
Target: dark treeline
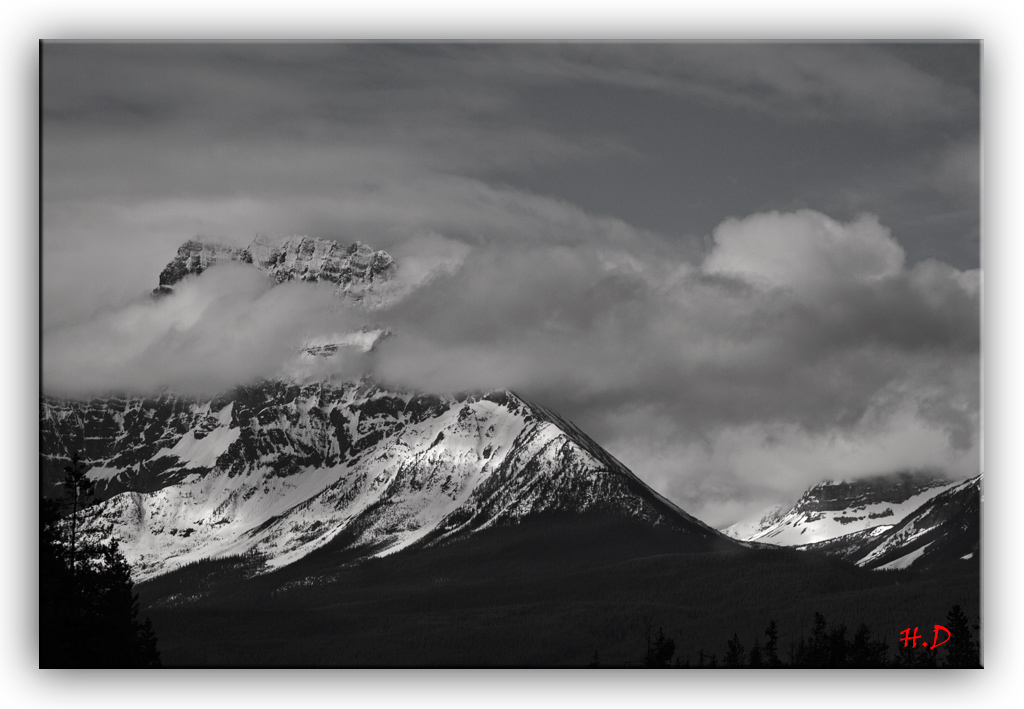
543, 594
827, 646
88, 611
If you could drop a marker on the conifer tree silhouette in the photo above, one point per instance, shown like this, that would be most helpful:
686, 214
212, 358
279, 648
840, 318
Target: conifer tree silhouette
80, 490
865, 653
838, 647
659, 653
755, 661
88, 611
817, 650
735, 656
771, 647
961, 650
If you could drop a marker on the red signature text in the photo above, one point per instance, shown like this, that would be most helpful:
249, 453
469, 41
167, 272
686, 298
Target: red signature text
907, 637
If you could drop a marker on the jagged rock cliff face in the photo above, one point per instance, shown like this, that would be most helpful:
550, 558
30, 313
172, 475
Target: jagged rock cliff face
282, 470
852, 495
355, 269
193, 258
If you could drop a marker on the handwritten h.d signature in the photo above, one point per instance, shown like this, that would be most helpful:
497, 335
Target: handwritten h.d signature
906, 637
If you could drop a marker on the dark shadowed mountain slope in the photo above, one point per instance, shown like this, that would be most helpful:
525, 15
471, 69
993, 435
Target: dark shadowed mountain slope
550, 590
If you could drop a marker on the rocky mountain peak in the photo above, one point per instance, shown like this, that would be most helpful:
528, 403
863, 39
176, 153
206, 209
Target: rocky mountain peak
833, 495
838, 508
355, 269
285, 469
193, 258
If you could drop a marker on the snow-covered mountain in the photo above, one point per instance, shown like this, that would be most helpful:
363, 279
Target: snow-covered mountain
878, 523
837, 508
357, 269
283, 469
947, 527
751, 527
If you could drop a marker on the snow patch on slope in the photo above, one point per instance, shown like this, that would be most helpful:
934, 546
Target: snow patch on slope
905, 560
203, 452
800, 527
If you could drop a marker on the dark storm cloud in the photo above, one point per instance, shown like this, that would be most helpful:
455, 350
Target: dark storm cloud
634, 234
297, 127
740, 129
801, 81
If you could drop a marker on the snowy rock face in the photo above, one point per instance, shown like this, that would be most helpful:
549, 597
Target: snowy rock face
834, 509
879, 523
193, 258
283, 469
747, 529
355, 269
946, 528
286, 466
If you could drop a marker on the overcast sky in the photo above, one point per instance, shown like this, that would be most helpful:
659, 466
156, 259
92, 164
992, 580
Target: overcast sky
741, 268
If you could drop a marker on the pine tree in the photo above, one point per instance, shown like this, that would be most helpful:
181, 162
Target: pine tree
881, 651
88, 611
735, 656
866, 653
926, 659
905, 653
79, 489
659, 653
755, 662
961, 650
817, 650
838, 647
771, 647
798, 653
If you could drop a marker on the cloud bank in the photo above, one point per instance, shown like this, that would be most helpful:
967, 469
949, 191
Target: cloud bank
146, 145
230, 326
798, 348
559, 214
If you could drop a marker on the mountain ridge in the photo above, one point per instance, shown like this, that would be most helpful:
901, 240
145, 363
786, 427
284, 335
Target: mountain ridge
283, 469
866, 521
356, 269
834, 508
945, 528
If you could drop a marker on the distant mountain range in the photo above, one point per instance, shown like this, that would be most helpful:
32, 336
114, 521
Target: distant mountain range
885, 522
